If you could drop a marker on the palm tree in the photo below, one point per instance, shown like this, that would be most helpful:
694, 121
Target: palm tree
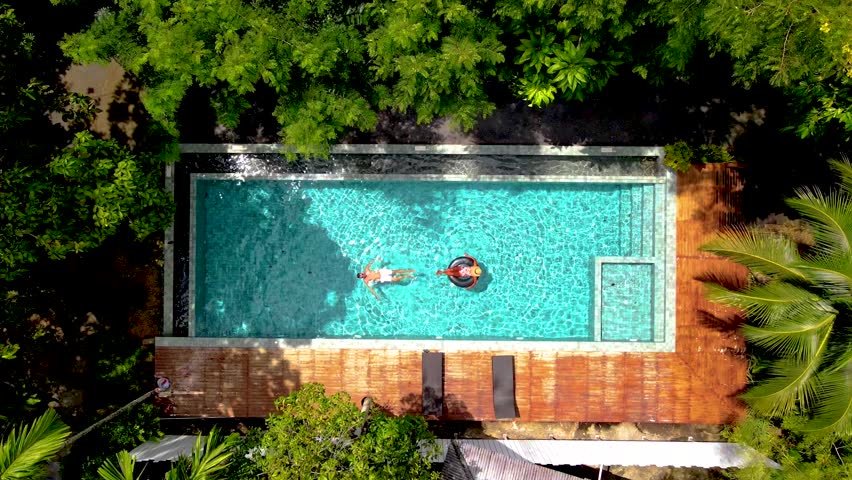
209, 458
26, 451
121, 469
798, 306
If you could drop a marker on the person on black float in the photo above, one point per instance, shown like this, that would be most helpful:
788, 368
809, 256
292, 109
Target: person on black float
472, 271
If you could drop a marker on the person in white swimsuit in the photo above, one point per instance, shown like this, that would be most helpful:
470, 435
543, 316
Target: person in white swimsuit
383, 275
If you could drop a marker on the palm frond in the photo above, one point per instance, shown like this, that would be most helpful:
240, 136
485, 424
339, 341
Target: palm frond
769, 303
209, 457
121, 469
212, 458
796, 338
763, 252
844, 169
833, 274
830, 219
833, 413
25, 451
793, 383
180, 469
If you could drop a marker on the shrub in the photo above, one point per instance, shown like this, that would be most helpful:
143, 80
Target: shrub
680, 156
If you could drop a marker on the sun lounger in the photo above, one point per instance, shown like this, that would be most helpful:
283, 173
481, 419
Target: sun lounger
503, 381
433, 383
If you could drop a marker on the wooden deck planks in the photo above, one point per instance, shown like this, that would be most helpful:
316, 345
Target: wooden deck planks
696, 384
543, 391
572, 380
523, 383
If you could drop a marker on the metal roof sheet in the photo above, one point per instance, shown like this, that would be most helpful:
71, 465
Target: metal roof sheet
642, 453
469, 462
166, 449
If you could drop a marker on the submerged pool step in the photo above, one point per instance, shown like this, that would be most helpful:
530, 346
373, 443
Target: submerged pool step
649, 207
636, 198
624, 220
637, 220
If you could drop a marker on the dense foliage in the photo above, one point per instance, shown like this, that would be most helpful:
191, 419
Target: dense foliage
128, 430
571, 48
246, 453
84, 194
332, 64
804, 48
336, 65
208, 461
65, 194
319, 436
61, 189
797, 305
680, 156
25, 451
799, 456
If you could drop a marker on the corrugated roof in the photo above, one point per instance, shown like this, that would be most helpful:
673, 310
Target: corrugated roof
643, 453
166, 449
469, 462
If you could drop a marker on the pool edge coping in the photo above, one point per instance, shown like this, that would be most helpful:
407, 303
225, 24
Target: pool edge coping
169, 258
397, 149
411, 344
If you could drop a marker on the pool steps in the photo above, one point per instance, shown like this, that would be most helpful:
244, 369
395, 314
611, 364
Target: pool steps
637, 221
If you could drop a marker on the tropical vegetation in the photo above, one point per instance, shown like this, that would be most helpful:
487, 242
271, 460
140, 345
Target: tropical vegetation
78, 218
336, 66
313, 435
208, 461
797, 304
79, 214
26, 450
796, 455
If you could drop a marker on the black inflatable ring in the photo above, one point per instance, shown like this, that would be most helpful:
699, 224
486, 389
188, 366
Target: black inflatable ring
464, 282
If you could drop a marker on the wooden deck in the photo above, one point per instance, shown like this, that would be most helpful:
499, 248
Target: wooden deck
696, 384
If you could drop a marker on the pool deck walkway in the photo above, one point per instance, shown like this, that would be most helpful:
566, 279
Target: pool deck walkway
697, 383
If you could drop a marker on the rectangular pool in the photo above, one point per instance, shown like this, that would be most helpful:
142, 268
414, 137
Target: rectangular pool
565, 261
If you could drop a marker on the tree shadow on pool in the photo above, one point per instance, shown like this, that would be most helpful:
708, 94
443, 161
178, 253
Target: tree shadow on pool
291, 276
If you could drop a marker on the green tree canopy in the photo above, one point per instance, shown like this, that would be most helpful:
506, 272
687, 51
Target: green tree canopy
83, 196
433, 57
61, 189
571, 48
319, 436
809, 456
333, 64
802, 47
309, 53
798, 308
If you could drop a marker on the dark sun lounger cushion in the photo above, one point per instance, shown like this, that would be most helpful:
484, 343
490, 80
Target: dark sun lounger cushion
503, 380
433, 383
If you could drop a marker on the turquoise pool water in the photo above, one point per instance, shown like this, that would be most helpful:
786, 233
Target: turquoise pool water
278, 258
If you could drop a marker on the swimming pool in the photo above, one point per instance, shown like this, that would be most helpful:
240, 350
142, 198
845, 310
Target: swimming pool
566, 260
